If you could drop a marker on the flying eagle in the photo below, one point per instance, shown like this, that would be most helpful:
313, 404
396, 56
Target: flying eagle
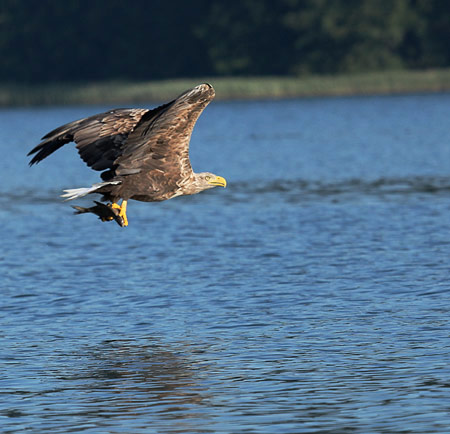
143, 154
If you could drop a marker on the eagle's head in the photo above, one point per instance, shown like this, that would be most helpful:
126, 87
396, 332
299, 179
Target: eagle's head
206, 180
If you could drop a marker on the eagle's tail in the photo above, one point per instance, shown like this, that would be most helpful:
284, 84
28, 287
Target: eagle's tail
75, 193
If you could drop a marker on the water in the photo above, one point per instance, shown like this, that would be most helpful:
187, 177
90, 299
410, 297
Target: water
310, 296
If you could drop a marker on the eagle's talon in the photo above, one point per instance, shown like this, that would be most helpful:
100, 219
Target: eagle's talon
105, 213
122, 215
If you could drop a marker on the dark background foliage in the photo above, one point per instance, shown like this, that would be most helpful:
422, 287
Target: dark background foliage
72, 40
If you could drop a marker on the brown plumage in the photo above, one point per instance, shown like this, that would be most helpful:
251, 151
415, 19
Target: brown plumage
143, 154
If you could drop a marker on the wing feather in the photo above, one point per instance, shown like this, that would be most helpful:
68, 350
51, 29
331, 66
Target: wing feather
98, 138
161, 141
129, 141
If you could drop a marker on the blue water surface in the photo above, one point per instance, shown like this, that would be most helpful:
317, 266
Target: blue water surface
310, 296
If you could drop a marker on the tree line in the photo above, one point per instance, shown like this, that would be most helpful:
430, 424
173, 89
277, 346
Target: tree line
80, 40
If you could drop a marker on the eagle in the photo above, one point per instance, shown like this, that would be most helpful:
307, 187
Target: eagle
143, 154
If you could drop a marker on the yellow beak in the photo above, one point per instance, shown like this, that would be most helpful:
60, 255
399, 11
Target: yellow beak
219, 181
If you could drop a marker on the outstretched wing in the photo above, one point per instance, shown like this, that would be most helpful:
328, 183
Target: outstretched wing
127, 141
99, 138
160, 142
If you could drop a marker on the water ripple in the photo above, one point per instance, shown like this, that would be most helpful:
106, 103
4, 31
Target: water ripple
382, 186
288, 188
310, 296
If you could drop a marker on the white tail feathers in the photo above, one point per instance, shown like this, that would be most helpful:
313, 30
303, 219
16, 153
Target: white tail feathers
74, 193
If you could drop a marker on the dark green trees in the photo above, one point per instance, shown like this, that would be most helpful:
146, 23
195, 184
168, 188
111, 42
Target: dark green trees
142, 40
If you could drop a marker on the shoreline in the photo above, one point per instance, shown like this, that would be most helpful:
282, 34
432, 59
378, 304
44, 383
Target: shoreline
227, 88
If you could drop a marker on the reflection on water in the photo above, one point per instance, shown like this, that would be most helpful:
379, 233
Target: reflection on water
121, 381
144, 378
310, 296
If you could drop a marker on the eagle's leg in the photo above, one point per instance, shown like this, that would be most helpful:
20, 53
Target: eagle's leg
122, 211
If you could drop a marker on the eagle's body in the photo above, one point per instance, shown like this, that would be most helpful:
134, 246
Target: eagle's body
143, 154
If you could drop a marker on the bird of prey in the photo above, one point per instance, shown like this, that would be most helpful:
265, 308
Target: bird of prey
143, 154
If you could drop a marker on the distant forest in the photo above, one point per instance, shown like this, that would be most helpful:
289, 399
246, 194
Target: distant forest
73, 40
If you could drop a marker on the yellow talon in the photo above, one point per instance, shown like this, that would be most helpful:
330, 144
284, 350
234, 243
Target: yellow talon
122, 211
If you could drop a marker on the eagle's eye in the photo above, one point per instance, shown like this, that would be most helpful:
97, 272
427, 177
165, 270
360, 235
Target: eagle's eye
207, 178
